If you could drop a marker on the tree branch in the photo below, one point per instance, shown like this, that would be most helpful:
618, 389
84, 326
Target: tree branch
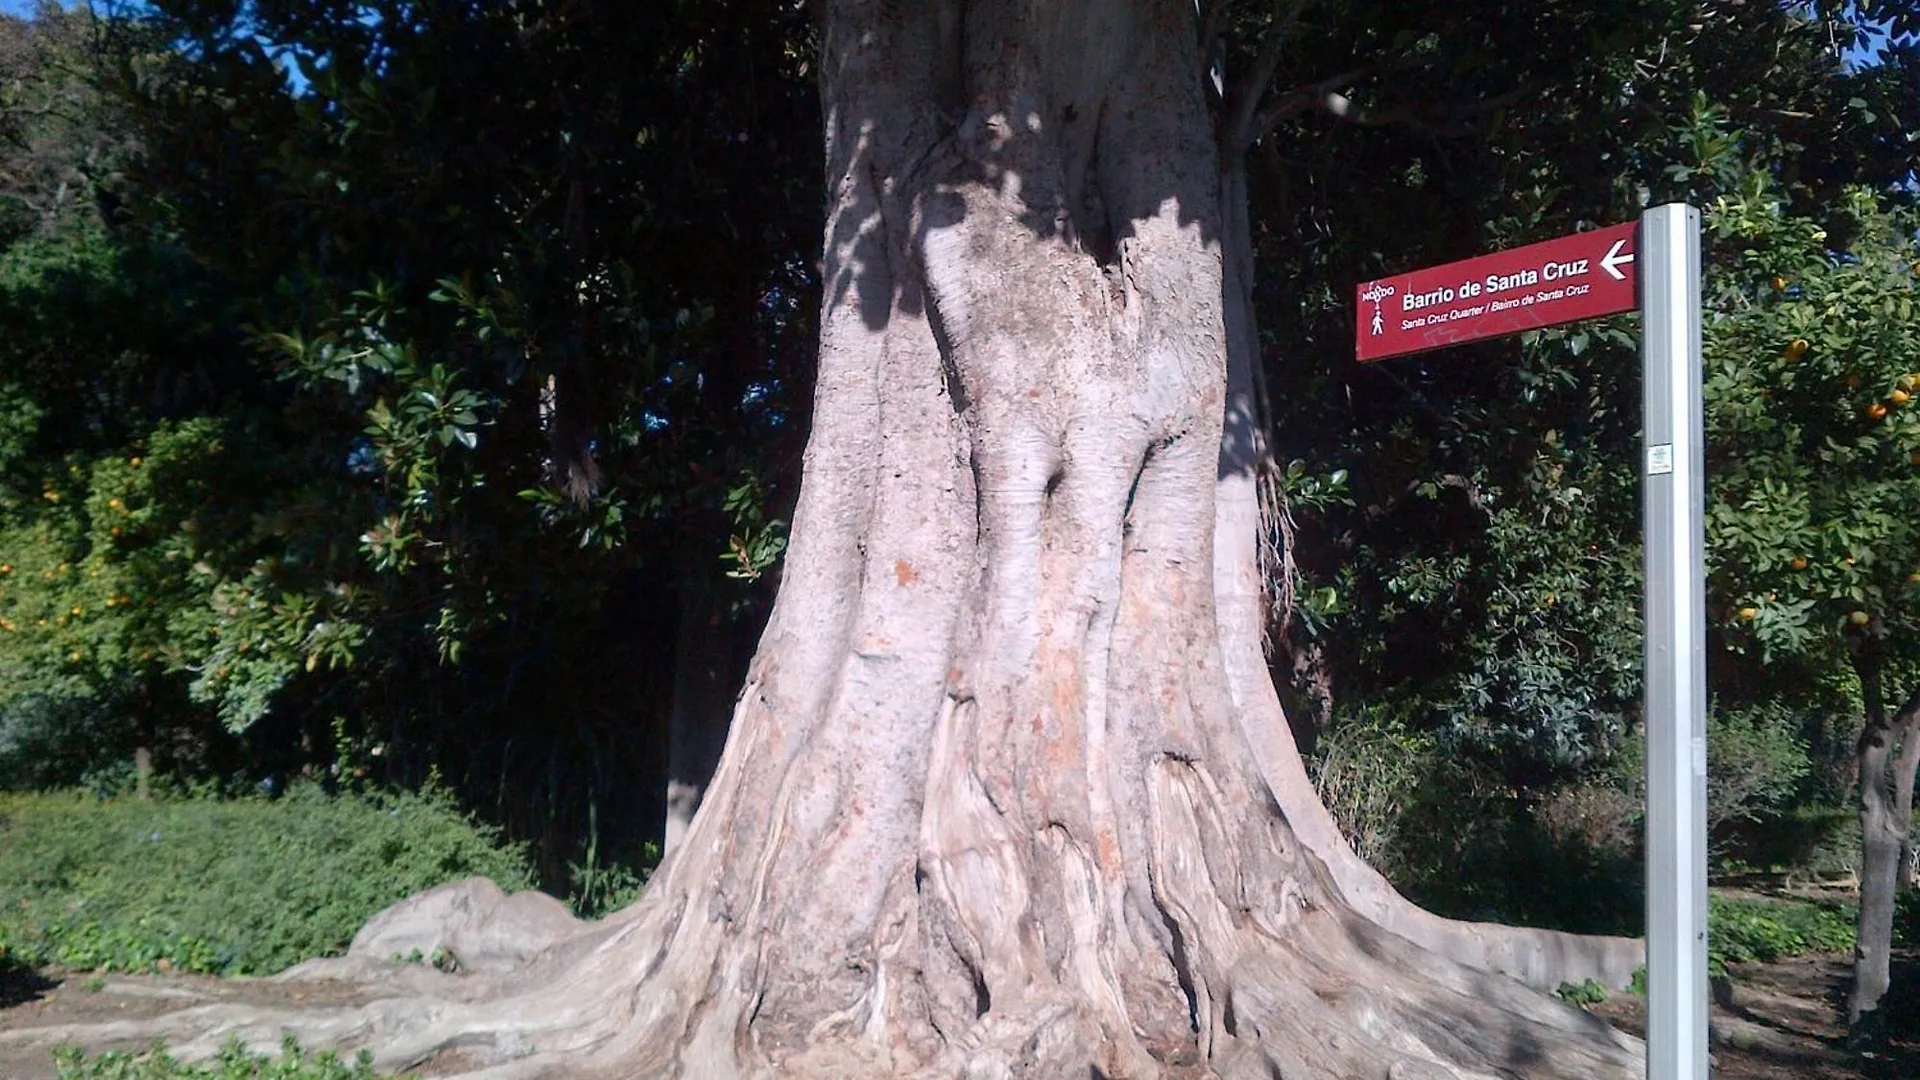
1239, 133
1301, 99
1209, 11
1325, 96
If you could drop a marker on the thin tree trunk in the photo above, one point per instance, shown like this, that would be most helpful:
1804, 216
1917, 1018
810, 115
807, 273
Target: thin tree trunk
1904, 768
1883, 837
143, 742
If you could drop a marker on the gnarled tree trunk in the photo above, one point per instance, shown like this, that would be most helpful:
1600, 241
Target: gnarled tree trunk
989, 806
1008, 792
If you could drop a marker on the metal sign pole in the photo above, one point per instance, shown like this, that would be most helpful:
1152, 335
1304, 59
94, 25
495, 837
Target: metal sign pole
1676, 688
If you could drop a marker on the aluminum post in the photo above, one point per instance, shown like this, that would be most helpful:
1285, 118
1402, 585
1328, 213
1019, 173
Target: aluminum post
1676, 686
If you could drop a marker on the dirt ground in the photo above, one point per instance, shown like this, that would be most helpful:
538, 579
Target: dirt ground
44, 999
1787, 1021
1784, 1021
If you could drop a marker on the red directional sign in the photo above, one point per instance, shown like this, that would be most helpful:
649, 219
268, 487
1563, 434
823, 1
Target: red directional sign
1582, 276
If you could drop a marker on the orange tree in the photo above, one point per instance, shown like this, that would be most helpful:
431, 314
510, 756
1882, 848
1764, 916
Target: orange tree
1812, 359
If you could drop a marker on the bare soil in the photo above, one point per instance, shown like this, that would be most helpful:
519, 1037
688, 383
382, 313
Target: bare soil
47, 998
1779, 1021
1787, 1021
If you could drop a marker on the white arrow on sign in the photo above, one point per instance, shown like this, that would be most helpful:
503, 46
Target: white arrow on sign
1613, 260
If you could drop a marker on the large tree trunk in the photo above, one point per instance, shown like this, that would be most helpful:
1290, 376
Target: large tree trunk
1007, 793
988, 806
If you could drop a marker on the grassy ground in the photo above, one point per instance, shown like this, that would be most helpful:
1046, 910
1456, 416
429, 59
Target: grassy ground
221, 887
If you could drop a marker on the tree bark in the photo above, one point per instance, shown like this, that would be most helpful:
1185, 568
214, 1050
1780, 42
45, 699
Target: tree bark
1884, 831
1008, 792
1904, 768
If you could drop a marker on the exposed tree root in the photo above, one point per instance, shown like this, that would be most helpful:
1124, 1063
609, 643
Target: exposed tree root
1333, 1002
1303, 988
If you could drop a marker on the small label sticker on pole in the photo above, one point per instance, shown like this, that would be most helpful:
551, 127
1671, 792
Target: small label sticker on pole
1660, 459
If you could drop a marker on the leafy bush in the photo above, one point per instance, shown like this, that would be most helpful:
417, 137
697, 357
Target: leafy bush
1761, 931
1369, 770
237, 887
1755, 763
234, 1063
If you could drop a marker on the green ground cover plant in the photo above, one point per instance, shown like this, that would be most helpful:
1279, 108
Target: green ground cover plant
234, 1063
1746, 931
230, 887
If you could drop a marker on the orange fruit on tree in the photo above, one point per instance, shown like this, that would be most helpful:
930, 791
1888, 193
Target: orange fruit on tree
1747, 613
1858, 618
1899, 397
1797, 349
1779, 283
1799, 562
1876, 410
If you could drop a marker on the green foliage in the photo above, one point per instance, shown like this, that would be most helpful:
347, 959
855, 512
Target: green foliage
1369, 770
1454, 836
1583, 993
597, 888
247, 886
1744, 931
494, 361
1810, 376
233, 1063
1747, 931
1756, 763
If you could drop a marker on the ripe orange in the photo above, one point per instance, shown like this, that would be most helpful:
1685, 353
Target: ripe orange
1899, 397
1779, 283
1747, 613
1799, 562
1858, 618
1797, 349
1876, 410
